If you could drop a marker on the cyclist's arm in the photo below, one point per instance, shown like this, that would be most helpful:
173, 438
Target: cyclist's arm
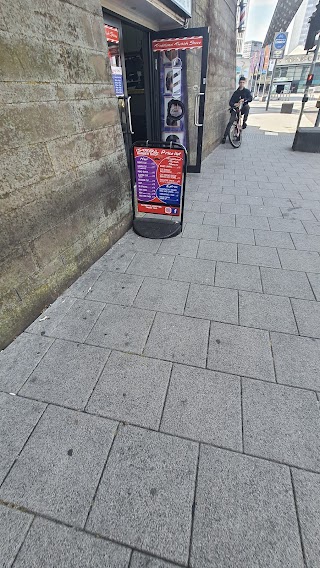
248, 98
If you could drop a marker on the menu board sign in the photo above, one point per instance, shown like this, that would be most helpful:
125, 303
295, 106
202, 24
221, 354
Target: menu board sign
159, 173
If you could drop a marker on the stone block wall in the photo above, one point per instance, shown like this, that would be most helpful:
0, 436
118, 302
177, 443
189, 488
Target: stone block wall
220, 16
64, 189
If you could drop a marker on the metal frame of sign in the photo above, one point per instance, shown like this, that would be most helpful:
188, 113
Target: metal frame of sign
154, 226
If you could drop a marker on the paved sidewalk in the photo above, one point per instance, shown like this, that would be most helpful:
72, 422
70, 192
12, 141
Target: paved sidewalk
164, 410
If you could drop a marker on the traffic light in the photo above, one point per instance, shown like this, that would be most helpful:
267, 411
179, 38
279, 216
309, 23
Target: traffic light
314, 28
309, 79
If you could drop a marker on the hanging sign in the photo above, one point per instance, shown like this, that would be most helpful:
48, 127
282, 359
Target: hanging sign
159, 174
177, 43
112, 34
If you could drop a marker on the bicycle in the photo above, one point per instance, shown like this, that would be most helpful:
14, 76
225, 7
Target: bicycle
235, 133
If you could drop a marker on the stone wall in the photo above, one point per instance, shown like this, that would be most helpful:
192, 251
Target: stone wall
220, 16
65, 192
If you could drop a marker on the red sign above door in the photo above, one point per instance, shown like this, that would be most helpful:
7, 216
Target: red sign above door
112, 34
177, 43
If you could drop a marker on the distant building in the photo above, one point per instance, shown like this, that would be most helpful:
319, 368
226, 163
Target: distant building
301, 24
283, 15
250, 47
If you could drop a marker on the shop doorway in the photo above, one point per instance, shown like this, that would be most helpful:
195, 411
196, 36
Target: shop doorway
160, 81
129, 54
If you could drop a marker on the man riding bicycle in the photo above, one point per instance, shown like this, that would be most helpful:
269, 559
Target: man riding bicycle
241, 96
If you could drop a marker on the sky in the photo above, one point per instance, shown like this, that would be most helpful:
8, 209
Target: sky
260, 14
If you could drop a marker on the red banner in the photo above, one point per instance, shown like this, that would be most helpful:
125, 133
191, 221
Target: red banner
177, 43
158, 209
112, 34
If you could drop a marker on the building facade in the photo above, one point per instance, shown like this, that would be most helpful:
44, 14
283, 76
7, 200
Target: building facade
250, 47
292, 71
301, 24
67, 122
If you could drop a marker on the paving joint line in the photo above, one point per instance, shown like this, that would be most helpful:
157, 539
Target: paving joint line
194, 506
26, 441
298, 518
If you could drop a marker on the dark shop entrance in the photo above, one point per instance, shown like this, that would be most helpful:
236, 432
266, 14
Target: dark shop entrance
160, 80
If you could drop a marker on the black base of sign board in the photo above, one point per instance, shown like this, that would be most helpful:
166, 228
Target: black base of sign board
156, 228
158, 188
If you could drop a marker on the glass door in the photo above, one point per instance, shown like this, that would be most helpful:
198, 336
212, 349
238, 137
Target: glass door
113, 30
180, 66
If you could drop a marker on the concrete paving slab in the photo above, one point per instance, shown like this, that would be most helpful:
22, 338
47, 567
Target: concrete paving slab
307, 490
222, 219
235, 209
312, 228
210, 250
307, 315
115, 260
300, 260
244, 514
196, 270
219, 304
306, 242
180, 247
273, 239
286, 225
314, 280
83, 285
297, 360
139, 560
240, 351
133, 242
51, 545
19, 359
14, 526
266, 312
153, 265
281, 423
18, 418
193, 231
236, 235
205, 406
50, 317
162, 295
261, 256
123, 328
286, 283
59, 468
146, 493
179, 339
298, 213
67, 374
114, 288
265, 211
131, 389
250, 222
193, 217
239, 276
77, 323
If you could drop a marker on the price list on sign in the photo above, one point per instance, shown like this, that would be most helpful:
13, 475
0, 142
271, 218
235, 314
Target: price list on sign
159, 173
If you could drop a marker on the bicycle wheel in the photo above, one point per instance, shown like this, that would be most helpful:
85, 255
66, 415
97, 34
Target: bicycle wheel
235, 137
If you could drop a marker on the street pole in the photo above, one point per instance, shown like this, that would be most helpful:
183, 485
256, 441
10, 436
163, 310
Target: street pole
318, 119
271, 83
311, 70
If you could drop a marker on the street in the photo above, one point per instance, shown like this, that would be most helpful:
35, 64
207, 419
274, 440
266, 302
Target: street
164, 411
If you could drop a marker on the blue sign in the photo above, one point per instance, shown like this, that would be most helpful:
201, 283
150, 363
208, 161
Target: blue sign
280, 40
118, 84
